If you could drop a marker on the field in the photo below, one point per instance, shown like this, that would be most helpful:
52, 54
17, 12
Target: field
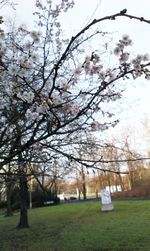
80, 227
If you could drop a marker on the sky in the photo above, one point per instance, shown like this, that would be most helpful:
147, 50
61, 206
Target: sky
134, 108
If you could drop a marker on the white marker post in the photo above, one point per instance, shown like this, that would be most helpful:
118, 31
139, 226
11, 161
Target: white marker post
106, 201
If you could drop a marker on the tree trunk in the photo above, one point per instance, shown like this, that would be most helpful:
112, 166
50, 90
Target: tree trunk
78, 193
9, 193
83, 183
9, 187
96, 193
131, 179
23, 223
79, 196
84, 191
121, 183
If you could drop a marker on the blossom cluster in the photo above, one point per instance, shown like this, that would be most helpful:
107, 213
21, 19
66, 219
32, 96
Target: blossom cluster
119, 49
135, 64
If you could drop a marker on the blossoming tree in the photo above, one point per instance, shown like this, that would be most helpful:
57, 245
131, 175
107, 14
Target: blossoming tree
51, 87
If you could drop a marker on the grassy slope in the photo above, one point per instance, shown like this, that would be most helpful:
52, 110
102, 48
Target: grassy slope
80, 227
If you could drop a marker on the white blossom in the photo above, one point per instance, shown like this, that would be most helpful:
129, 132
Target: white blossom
117, 51
56, 100
146, 57
102, 75
34, 56
42, 109
3, 49
36, 35
77, 71
3, 119
31, 116
13, 69
20, 122
26, 96
124, 57
37, 146
126, 40
95, 58
74, 109
28, 45
87, 66
64, 86
147, 76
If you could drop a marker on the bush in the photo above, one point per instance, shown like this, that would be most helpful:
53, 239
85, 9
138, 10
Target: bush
3, 204
39, 197
16, 205
15, 199
140, 190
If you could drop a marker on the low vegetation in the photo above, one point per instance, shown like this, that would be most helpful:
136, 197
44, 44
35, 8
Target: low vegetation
80, 227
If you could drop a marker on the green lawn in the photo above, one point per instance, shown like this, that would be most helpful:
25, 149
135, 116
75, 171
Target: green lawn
80, 227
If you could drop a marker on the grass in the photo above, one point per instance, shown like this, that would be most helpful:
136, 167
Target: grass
80, 227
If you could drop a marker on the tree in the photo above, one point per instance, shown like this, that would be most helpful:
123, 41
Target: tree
50, 91
135, 169
7, 2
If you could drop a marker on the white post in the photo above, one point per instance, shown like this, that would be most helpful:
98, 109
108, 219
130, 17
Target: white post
30, 199
30, 194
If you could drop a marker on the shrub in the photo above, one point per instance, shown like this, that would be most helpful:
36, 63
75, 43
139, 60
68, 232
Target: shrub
3, 204
39, 197
140, 190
